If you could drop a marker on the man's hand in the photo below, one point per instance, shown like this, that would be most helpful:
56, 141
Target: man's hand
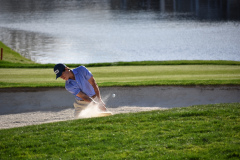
101, 105
84, 97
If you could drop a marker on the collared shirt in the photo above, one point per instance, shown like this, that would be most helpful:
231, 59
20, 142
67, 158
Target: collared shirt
80, 84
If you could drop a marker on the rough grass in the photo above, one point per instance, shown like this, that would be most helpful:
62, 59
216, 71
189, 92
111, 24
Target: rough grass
196, 132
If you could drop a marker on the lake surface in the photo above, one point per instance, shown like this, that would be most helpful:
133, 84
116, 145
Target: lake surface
90, 31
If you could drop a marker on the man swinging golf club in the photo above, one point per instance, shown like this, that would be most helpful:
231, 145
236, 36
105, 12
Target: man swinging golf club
82, 85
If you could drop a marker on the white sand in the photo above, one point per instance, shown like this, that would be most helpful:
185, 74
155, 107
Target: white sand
32, 106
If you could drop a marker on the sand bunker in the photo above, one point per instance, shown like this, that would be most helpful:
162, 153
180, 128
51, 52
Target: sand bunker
26, 106
40, 117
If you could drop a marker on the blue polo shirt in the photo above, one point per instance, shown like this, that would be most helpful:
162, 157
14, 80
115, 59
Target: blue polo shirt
80, 84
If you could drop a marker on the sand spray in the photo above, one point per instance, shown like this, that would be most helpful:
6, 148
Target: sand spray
92, 109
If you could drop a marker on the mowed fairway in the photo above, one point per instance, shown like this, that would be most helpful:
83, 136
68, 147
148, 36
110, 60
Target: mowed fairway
129, 75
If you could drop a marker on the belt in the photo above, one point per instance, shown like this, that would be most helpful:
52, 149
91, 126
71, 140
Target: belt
91, 97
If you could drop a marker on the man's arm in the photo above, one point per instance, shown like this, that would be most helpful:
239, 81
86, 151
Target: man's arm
95, 87
97, 91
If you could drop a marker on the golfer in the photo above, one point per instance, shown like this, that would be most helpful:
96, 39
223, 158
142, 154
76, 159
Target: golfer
82, 85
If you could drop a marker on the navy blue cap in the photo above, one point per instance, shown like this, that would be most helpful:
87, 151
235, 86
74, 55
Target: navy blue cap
58, 69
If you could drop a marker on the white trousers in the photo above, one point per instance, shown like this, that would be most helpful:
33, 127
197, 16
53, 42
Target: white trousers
79, 106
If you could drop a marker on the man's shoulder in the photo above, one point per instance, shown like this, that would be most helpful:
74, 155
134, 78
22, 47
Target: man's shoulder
79, 68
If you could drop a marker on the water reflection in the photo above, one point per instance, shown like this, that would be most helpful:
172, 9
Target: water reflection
89, 31
196, 9
199, 9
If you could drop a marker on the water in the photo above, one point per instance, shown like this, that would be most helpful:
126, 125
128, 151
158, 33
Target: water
90, 31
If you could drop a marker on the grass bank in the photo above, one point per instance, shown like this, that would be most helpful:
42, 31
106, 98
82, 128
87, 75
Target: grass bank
11, 57
196, 132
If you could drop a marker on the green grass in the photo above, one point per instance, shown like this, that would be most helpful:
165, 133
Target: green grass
196, 132
6, 64
129, 76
